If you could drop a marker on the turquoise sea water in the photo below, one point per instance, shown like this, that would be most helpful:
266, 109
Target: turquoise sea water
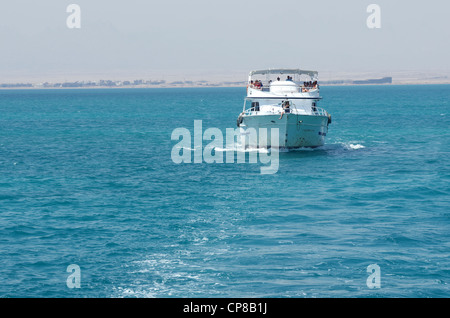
86, 178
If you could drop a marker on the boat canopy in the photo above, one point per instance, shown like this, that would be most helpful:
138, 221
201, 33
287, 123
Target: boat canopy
284, 71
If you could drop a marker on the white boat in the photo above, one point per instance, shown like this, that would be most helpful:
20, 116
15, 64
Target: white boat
286, 99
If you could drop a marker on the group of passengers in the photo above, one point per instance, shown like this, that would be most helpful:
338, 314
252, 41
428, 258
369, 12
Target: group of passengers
259, 85
256, 84
310, 84
306, 85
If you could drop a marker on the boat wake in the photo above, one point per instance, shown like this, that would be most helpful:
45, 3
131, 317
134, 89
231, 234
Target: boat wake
339, 146
355, 147
336, 147
239, 148
342, 146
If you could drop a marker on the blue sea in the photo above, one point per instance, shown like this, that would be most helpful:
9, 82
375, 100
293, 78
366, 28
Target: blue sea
86, 178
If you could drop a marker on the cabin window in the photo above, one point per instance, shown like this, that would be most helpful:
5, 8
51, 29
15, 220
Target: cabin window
255, 106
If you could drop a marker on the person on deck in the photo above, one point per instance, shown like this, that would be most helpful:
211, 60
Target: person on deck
285, 108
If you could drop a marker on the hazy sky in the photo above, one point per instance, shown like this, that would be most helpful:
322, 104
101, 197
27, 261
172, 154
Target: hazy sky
125, 39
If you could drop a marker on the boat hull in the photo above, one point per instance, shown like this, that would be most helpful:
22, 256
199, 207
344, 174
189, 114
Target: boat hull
295, 131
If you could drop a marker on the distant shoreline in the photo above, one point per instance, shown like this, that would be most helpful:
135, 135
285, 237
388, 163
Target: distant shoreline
199, 82
196, 86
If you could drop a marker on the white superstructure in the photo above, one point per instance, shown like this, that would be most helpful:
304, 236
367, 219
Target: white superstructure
286, 99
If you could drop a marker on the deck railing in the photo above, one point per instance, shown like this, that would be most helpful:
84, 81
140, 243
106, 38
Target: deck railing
301, 89
317, 111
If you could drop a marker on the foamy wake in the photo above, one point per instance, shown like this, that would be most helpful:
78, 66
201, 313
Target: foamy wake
335, 146
327, 147
241, 149
355, 147
235, 149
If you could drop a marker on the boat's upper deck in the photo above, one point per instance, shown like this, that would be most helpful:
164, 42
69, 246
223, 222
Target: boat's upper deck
281, 83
